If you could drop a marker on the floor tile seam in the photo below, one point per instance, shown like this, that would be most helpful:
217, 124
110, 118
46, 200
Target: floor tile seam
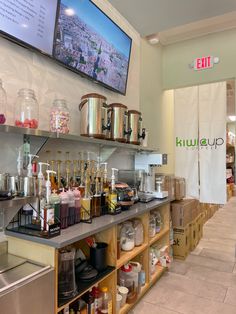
201, 296
163, 306
208, 267
210, 281
226, 295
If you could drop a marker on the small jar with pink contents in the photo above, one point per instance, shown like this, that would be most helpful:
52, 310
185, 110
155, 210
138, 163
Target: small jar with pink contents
59, 117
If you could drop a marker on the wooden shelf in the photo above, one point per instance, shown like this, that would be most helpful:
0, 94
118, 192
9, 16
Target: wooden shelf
125, 257
158, 273
84, 291
127, 307
159, 235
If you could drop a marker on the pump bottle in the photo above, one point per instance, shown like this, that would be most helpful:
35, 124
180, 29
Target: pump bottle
113, 206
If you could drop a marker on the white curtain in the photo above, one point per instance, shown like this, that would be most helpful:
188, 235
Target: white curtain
200, 141
212, 127
186, 134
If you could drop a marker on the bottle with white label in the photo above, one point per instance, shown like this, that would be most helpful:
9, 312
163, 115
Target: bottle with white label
113, 206
48, 212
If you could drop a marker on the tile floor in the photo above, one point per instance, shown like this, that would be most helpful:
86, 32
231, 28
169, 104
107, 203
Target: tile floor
205, 283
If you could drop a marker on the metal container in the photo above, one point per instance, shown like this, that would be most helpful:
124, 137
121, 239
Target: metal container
135, 124
118, 115
4, 181
93, 122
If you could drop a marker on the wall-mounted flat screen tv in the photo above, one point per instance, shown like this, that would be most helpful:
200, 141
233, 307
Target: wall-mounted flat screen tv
75, 33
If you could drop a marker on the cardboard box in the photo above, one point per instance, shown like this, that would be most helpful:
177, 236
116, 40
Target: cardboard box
181, 242
183, 212
180, 188
199, 227
193, 235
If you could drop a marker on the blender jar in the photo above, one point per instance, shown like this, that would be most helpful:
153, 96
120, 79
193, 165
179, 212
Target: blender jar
59, 117
3, 104
26, 109
66, 274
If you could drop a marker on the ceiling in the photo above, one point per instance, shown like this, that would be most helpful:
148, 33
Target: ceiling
175, 20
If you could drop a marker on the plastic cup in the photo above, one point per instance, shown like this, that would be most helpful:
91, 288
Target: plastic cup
118, 302
123, 291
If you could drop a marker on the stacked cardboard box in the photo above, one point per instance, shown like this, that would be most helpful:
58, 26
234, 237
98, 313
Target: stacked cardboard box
184, 215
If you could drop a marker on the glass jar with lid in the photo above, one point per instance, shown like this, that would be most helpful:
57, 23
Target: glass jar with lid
59, 117
127, 240
26, 113
3, 104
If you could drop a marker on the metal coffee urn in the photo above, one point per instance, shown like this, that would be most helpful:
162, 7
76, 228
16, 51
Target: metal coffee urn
118, 115
93, 122
135, 124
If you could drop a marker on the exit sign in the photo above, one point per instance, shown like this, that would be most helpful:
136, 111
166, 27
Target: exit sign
203, 63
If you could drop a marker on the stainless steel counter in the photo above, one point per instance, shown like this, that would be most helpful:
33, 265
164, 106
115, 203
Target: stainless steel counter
83, 230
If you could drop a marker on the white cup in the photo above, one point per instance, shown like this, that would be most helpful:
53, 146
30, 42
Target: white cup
123, 291
118, 302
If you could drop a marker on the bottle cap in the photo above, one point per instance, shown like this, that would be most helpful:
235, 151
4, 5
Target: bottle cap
104, 289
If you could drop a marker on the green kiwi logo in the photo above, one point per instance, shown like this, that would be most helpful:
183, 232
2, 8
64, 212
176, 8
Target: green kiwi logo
199, 143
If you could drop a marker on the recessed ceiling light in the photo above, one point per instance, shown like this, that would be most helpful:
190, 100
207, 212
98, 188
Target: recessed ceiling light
153, 39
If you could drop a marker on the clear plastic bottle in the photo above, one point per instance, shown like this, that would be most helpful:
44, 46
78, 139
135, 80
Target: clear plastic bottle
71, 219
106, 304
26, 111
77, 197
3, 104
64, 209
59, 117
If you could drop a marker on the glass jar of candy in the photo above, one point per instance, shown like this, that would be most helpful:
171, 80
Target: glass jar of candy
3, 104
59, 117
26, 114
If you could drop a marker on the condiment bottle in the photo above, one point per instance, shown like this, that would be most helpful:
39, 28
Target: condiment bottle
97, 299
96, 200
106, 306
3, 104
64, 209
71, 197
104, 190
113, 206
55, 201
86, 202
48, 212
77, 197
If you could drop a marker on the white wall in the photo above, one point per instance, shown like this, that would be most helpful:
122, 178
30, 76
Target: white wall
21, 68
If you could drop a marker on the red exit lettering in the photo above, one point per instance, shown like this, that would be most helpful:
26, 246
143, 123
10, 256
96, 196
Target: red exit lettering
203, 63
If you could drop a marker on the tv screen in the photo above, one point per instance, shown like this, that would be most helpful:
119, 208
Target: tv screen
30, 21
75, 33
89, 42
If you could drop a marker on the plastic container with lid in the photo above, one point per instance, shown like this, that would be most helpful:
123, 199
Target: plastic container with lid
59, 117
64, 209
152, 226
71, 203
26, 111
77, 197
3, 104
127, 241
106, 302
128, 277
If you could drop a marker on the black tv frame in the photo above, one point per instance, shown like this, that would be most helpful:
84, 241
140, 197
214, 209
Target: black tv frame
82, 74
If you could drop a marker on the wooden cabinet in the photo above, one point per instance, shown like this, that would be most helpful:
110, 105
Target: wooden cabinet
108, 235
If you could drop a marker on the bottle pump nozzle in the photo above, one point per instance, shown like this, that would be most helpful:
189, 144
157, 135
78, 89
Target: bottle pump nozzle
113, 177
29, 167
40, 173
48, 184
